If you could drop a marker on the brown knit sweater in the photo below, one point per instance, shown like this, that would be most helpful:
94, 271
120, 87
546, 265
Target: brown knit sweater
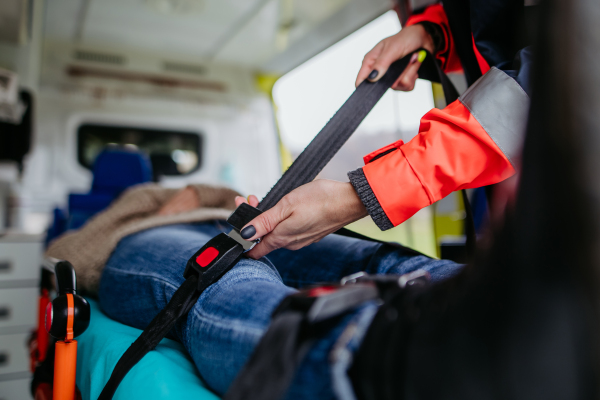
89, 247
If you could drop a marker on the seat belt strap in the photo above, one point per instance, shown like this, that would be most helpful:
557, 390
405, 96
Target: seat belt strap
343, 124
222, 252
182, 301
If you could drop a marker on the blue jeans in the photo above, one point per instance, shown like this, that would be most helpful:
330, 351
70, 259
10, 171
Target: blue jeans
230, 317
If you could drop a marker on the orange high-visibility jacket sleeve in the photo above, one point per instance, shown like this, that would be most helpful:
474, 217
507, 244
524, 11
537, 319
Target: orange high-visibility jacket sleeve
471, 143
451, 152
447, 56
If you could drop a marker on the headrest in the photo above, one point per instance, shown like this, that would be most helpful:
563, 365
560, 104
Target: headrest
116, 169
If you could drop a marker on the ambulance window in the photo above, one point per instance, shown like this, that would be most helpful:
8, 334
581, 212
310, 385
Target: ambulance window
171, 152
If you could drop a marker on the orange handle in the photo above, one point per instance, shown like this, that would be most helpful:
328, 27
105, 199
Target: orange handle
65, 366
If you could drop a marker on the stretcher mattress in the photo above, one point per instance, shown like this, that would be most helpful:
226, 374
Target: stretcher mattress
165, 373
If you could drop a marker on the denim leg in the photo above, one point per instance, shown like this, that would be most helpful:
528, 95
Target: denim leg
228, 320
231, 316
337, 256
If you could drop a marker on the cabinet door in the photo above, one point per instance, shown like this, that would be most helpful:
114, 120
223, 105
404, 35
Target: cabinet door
20, 260
15, 390
13, 353
18, 308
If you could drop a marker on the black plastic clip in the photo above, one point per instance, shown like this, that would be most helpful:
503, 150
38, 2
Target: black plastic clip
213, 260
389, 285
324, 302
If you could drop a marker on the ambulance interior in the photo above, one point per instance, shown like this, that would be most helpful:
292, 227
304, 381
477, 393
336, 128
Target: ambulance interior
218, 92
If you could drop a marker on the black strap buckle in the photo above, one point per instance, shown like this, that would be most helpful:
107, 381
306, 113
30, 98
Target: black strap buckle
388, 285
223, 251
324, 302
213, 260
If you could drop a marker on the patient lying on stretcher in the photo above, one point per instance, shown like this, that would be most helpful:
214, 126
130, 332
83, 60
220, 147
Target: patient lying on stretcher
133, 254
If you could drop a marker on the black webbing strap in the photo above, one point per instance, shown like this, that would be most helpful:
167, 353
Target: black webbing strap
343, 124
304, 169
470, 233
182, 301
435, 74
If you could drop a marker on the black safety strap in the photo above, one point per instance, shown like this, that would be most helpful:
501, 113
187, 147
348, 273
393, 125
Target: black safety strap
343, 124
304, 169
182, 301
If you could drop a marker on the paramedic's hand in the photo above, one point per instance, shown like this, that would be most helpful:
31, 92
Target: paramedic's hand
378, 60
184, 200
304, 216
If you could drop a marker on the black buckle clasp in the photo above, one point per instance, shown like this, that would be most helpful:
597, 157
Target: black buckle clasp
324, 302
388, 285
213, 260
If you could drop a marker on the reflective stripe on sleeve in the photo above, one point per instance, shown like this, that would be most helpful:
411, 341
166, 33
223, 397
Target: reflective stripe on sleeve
501, 107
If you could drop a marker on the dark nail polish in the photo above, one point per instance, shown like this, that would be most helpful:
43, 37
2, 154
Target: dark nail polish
248, 232
373, 74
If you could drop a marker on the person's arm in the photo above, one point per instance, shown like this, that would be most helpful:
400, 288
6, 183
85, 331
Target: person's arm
429, 30
198, 195
433, 18
471, 143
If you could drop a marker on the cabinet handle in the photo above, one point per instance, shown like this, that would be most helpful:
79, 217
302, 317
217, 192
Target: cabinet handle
3, 359
5, 267
4, 312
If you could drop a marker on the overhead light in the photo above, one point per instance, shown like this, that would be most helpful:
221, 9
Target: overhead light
176, 7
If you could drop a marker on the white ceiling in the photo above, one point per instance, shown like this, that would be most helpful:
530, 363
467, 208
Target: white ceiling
263, 34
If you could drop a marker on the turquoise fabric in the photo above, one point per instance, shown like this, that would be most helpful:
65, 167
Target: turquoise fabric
165, 373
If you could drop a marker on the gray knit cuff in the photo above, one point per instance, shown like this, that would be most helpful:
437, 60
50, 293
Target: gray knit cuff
366, 195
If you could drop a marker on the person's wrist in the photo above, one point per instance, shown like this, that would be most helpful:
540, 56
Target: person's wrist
353, 204
426, 40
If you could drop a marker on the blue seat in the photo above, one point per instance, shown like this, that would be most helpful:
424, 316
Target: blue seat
167, 372
115, 169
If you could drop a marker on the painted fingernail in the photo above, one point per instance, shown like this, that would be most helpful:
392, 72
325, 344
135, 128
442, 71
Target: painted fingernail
414, 58
373, 74
422, 55
248, 232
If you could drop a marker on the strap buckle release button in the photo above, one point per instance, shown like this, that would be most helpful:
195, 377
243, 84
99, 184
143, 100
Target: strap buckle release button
207, 256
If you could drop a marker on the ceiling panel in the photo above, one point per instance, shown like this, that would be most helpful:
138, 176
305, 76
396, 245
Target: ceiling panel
244, 32
61, 17
134, 23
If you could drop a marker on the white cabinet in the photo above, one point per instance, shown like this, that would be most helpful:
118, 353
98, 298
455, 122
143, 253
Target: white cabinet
20, 261
16, 305
15, 389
